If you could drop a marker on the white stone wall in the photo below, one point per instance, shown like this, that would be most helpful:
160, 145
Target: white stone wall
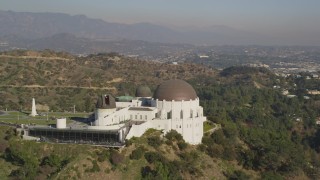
136, 103
107, 128
138, 130
161, 124
186, 117
141, 115
123, 104
106, 117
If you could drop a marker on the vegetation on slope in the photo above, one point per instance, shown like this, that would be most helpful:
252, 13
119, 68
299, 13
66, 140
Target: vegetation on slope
263, 134
60, 82
262, 129
148, 157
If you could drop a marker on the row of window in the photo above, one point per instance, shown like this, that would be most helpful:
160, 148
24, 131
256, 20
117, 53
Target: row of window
169, 116
137, 116
188, 125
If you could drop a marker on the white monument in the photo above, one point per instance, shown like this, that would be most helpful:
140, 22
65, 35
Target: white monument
33, 111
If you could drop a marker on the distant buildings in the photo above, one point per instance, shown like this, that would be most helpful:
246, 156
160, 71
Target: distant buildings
313, 92
203, 56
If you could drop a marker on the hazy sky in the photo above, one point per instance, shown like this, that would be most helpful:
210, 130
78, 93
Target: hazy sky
266, 16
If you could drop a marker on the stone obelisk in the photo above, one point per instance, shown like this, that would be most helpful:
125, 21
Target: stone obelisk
33, 111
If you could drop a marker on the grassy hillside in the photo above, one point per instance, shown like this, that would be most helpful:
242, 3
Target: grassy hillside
148, 157
263, 135
59, 80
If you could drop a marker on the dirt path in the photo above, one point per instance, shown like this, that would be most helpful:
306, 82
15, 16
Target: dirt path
75, 87
217, 126
35, 57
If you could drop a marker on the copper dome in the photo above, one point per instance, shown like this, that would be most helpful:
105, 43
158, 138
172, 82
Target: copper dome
176, 89
143, 91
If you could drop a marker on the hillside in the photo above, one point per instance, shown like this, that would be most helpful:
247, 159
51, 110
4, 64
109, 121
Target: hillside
55, 77
147, 157
264, 134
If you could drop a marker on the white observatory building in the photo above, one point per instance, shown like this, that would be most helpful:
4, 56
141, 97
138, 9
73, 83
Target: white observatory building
173, 106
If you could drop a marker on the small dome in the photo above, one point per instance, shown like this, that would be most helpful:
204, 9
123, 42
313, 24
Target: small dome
143, 91
124, 99
176, 89
106, 102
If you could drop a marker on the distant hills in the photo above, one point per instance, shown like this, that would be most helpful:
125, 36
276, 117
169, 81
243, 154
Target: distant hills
32, 26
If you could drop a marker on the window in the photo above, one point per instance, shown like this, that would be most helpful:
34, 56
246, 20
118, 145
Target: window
140, 116
181, 114
191, 113
146, 117
169, 115
136, 116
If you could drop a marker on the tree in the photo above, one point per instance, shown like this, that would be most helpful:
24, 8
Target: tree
52, 160
174, 135
88, 105
154, 141
137, 153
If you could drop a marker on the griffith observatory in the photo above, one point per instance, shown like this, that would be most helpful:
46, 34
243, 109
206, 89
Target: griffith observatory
173, 106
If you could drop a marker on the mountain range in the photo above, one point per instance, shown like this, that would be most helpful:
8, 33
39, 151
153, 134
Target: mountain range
31, 26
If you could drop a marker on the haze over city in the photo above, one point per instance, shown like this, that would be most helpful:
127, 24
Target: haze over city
295, 22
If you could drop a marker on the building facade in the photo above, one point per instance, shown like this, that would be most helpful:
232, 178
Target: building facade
173, 106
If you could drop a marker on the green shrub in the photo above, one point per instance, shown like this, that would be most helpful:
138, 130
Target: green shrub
128, 143
95, 167
154, 141
174, 135
190, 157
52, 160
238, 175
169, 142
9, 134
161, 170
182, 145
152, 157
137, 153
215, 150
229, 153
202, 147
102, 156
269, 175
